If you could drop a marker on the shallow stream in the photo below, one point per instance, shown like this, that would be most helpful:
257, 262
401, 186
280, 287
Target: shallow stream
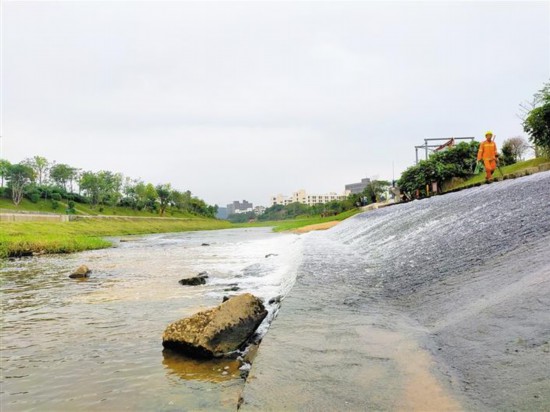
96, 344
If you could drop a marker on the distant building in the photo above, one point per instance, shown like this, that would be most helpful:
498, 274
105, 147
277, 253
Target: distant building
239, 207
301, 196
258, 210
354, 188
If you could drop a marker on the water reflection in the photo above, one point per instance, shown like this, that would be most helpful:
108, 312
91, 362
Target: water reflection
212, 370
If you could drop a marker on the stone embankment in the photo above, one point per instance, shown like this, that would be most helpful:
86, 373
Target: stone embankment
32, 217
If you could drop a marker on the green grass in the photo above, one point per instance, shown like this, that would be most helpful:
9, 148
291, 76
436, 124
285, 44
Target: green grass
45, 206
506, 170
23, 238
28, 206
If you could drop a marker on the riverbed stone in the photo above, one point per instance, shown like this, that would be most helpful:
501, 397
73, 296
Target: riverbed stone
218, 331
82, 271
200, 279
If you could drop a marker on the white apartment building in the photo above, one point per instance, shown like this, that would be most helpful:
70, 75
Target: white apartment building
301, 196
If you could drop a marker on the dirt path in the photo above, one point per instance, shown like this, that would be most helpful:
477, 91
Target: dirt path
317, 226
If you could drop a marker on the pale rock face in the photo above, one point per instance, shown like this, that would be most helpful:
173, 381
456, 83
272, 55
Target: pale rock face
218, 331
82, 272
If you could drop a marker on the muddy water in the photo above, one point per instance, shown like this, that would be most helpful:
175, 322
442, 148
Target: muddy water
96, 344
439, 304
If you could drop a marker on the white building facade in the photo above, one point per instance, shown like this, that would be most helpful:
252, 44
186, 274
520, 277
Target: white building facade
301, 196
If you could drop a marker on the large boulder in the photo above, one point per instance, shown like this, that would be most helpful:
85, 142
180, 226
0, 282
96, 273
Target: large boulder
82, 272
218, 331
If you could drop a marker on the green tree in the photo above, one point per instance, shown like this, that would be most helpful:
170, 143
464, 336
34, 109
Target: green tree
4, 168
512, 150
151, 197
164, 193
375, 189
91, 186
19, 176
40, 166
61, 174
241, 217
507, 156
537, 122
110, 187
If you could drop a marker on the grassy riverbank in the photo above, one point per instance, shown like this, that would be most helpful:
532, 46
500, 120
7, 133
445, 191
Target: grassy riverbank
24, 238
504, 172
46, 206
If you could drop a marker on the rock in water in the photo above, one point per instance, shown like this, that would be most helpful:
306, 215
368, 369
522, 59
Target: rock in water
218, 331
82, 272
200, 279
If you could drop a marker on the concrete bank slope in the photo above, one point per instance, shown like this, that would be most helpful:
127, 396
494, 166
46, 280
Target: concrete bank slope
437, 304
314, 360
486, 348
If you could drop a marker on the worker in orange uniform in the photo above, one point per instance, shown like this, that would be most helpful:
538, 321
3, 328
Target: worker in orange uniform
488, 153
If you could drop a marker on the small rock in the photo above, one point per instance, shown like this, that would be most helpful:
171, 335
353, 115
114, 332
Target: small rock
271, 254
82, 272
276, 299
205, 244
200, 279
194, 281
232, 289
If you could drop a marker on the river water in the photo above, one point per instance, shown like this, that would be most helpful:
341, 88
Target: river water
438, 304
96, 344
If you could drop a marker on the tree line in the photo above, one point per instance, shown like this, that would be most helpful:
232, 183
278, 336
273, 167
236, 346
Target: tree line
375, 191
37, 178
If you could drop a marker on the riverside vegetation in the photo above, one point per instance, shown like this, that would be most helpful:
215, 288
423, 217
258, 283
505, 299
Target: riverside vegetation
38, 185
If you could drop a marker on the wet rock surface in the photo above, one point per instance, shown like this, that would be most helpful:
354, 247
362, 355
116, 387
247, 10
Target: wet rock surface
216, 332
200, 279
82, 271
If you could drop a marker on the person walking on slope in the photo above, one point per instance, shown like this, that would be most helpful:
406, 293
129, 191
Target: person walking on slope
488, 153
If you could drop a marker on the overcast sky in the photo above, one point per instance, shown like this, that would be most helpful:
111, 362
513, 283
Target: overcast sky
241, 100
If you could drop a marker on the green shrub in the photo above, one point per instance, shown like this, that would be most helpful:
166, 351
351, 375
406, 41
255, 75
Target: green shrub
34, 197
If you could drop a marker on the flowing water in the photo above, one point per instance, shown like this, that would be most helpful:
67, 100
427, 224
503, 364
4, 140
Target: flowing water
96, 344
438, 304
